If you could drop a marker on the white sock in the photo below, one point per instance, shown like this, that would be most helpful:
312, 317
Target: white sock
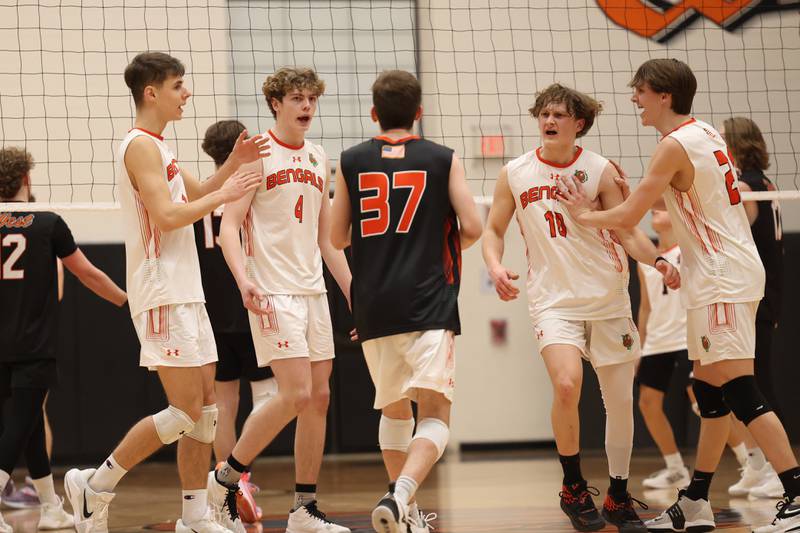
413, 510
4, 477
107, 476
674, 461
740, 451
755, 458
45, 490
404, 489
195, 503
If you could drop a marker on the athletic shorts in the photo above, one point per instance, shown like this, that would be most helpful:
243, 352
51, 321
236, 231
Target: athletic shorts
294, 326
402, 364
655, 370
237, 358
601, 342
721, 331
176, 335
30, 374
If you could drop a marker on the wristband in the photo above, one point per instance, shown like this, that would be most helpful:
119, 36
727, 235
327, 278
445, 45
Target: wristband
659, 258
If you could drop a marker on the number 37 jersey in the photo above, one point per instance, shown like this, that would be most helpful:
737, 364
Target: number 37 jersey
279, 232
574, 272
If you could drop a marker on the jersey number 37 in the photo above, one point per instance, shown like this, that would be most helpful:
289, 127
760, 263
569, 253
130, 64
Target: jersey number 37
378, 204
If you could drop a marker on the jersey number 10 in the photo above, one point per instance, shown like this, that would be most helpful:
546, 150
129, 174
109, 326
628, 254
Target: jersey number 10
379, 203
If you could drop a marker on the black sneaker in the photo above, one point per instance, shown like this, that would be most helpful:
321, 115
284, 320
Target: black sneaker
390, 516
620, 513
577, 504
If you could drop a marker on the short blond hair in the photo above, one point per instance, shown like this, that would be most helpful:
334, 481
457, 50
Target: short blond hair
287, 79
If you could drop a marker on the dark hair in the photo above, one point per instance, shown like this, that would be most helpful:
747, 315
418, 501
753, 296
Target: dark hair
579, 105
746, 144
287, 79
150, 68
15, 164
396, 95
220, 138
669, 76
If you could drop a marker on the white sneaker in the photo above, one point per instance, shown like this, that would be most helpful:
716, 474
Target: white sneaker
204, 525
668, 479
771, 489
5, 528
751, 478
787, 519
53, 516
684, 515
420, 522
308, 519
390, 516
222, 502
89, 508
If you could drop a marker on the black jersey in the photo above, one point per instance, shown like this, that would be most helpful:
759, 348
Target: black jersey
406, 250
29, 245
223, 300
768, 236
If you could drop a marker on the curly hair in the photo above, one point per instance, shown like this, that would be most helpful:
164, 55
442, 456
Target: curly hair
15, 164
579, 105
219, 139
287, 79
746, 143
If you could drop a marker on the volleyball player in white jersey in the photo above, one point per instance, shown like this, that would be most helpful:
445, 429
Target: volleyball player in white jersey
723, 281
285, 227
578, 293
160, 202
662, 328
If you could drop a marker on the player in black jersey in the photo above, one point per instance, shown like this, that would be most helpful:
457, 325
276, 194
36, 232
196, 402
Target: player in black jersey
398, 202
749, 152
30, 242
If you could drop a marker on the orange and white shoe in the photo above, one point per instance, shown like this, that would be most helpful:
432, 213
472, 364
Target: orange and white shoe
249, 512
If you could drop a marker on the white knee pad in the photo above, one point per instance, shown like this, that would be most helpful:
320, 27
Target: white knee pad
435, 431
395, 433
172, 424
206, 426
263, 391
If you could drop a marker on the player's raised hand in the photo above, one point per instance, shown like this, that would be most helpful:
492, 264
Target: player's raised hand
672, 277
254, 299
573, 196
502, 279
239, 184
621, 180
248, 150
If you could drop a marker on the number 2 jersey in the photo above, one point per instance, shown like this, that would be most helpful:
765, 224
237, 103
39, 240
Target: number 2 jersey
720, 259
406, 249
574, 272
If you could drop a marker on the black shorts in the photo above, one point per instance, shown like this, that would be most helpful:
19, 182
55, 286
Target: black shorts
237, 358
32, 374
655, 371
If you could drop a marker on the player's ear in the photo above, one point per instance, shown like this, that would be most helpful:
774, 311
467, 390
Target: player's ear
149, 93
418, 114
373, 114
580, 124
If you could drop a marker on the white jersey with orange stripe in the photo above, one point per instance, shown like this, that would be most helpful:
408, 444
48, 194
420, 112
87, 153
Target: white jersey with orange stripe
720, 259
666, 326
279, 232
574, 273
161, 267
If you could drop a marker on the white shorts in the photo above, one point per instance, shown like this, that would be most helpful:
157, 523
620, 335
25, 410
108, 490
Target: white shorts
601, 342
294, 326
721, 331
401, 364
175, 335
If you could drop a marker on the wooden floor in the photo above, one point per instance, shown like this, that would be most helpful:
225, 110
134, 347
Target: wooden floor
475, 492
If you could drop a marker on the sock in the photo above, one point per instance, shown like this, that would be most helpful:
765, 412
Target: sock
755, 458
195, 503
45, 490
303, 494
391, 487
247, 468
791, 482
404, 489
4, 477
698, 488
571, 464
740, 451
107, 476
413, 510
618, 489
230, 472
674, 461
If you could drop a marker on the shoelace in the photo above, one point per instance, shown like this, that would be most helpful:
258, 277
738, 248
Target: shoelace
312, 509
781, 506
426, 519
230, 503
626, 506
570, 496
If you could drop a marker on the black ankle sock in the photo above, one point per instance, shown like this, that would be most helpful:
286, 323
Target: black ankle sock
305, 487
571, 464
791, 482
698, 488
618, 488
236, 465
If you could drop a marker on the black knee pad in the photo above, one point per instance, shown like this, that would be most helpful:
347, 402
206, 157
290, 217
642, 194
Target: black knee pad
744, 399
710, 400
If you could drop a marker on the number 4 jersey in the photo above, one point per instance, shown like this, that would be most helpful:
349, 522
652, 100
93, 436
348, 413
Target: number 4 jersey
720, 259
574, 272
406, 252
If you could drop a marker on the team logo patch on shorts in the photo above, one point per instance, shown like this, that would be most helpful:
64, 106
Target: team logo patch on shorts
283, 344
627, 341
172, 353
705, 342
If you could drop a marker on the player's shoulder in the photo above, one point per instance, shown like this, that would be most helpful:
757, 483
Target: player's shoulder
28, 220
361, 148
517, 162
315, 149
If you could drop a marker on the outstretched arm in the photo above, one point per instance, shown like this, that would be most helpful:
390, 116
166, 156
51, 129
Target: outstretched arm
94, 279
493, 243
333, 256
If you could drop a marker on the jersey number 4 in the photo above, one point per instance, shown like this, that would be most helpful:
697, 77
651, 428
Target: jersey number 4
379, 203
19, 242
730, 179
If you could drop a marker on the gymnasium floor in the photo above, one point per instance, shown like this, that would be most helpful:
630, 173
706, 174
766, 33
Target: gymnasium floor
476, 492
